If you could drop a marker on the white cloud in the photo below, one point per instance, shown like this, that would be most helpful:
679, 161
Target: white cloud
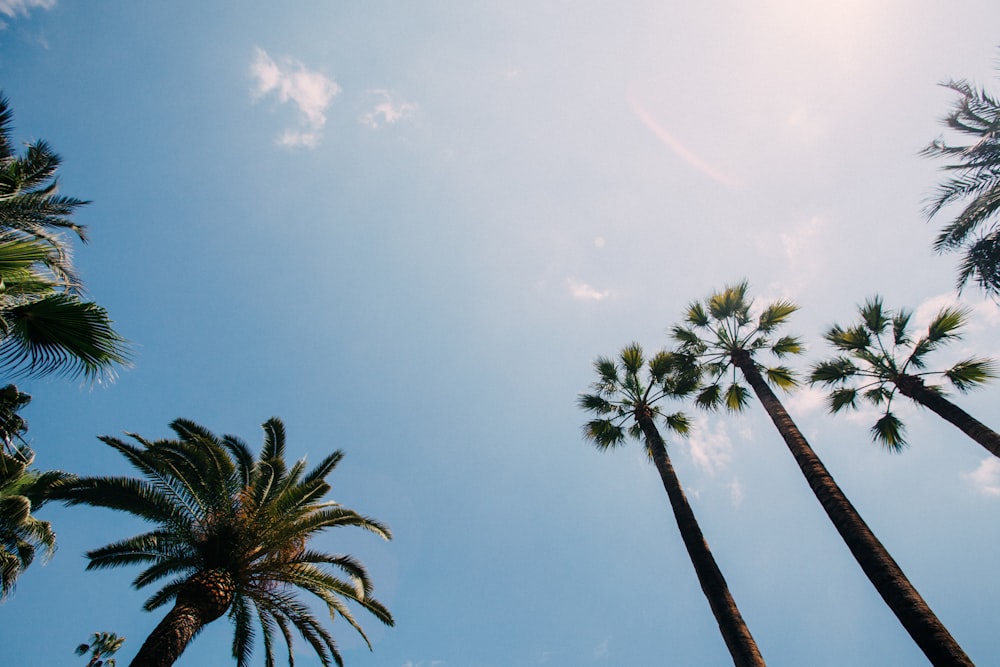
584, 292
986, 478
806, 400
12, 8
290, 81
387, 111
601, 650
736, 492
711, 448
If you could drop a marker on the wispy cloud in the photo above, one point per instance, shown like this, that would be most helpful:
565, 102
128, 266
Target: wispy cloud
423, 663
308, 90
13, 8
986, 478
601, 650
711, 448
387, 109
584, 292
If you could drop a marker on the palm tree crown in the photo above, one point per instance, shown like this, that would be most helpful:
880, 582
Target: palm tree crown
720, 330
621, 393
231, 535
881, 352
975, 114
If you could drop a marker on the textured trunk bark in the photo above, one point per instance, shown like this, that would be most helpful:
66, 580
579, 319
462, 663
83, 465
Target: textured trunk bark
882, 570
734, 631
204, 598
914, 388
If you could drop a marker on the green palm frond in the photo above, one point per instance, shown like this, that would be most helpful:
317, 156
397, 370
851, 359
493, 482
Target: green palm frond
678, 422
787, 345
833, 371
61, 334
696, 315
888, 431
946, 324
838, 399
774, 315
848, 340
730, 303
781, 377
873, 315
971, 373
736, 397
710, 397
900, 327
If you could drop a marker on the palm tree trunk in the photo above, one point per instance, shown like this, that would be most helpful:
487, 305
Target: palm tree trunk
204, 598
734, 631
915, 389
882, 570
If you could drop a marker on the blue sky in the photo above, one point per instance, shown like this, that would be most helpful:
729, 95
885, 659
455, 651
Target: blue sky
408, 229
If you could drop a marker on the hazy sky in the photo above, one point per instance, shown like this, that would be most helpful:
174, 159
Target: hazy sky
407, 229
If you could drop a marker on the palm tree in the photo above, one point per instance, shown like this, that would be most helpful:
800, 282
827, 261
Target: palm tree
102, 645
624, 394
231, 534
722, 340
22, 491
45, 325
881, 351
975, 114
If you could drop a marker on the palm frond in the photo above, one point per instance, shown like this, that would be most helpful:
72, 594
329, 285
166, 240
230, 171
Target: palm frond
833, 371
971, 373
888, 431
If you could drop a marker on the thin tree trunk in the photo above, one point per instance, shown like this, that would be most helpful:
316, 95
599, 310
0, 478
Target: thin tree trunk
734, 631
914, 388
882, 570
204, 598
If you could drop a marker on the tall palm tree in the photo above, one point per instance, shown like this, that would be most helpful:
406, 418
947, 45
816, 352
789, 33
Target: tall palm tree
101, 646
880, 350
45, 324
628, 391
22, 492
231, 534
722, 340
975, 114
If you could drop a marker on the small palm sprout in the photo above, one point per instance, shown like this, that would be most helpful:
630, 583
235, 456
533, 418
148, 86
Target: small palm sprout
101, 646
881, 355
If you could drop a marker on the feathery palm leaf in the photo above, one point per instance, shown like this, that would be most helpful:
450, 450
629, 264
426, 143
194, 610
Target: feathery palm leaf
976, 115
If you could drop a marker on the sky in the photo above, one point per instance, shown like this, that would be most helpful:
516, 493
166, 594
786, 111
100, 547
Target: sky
408, 229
